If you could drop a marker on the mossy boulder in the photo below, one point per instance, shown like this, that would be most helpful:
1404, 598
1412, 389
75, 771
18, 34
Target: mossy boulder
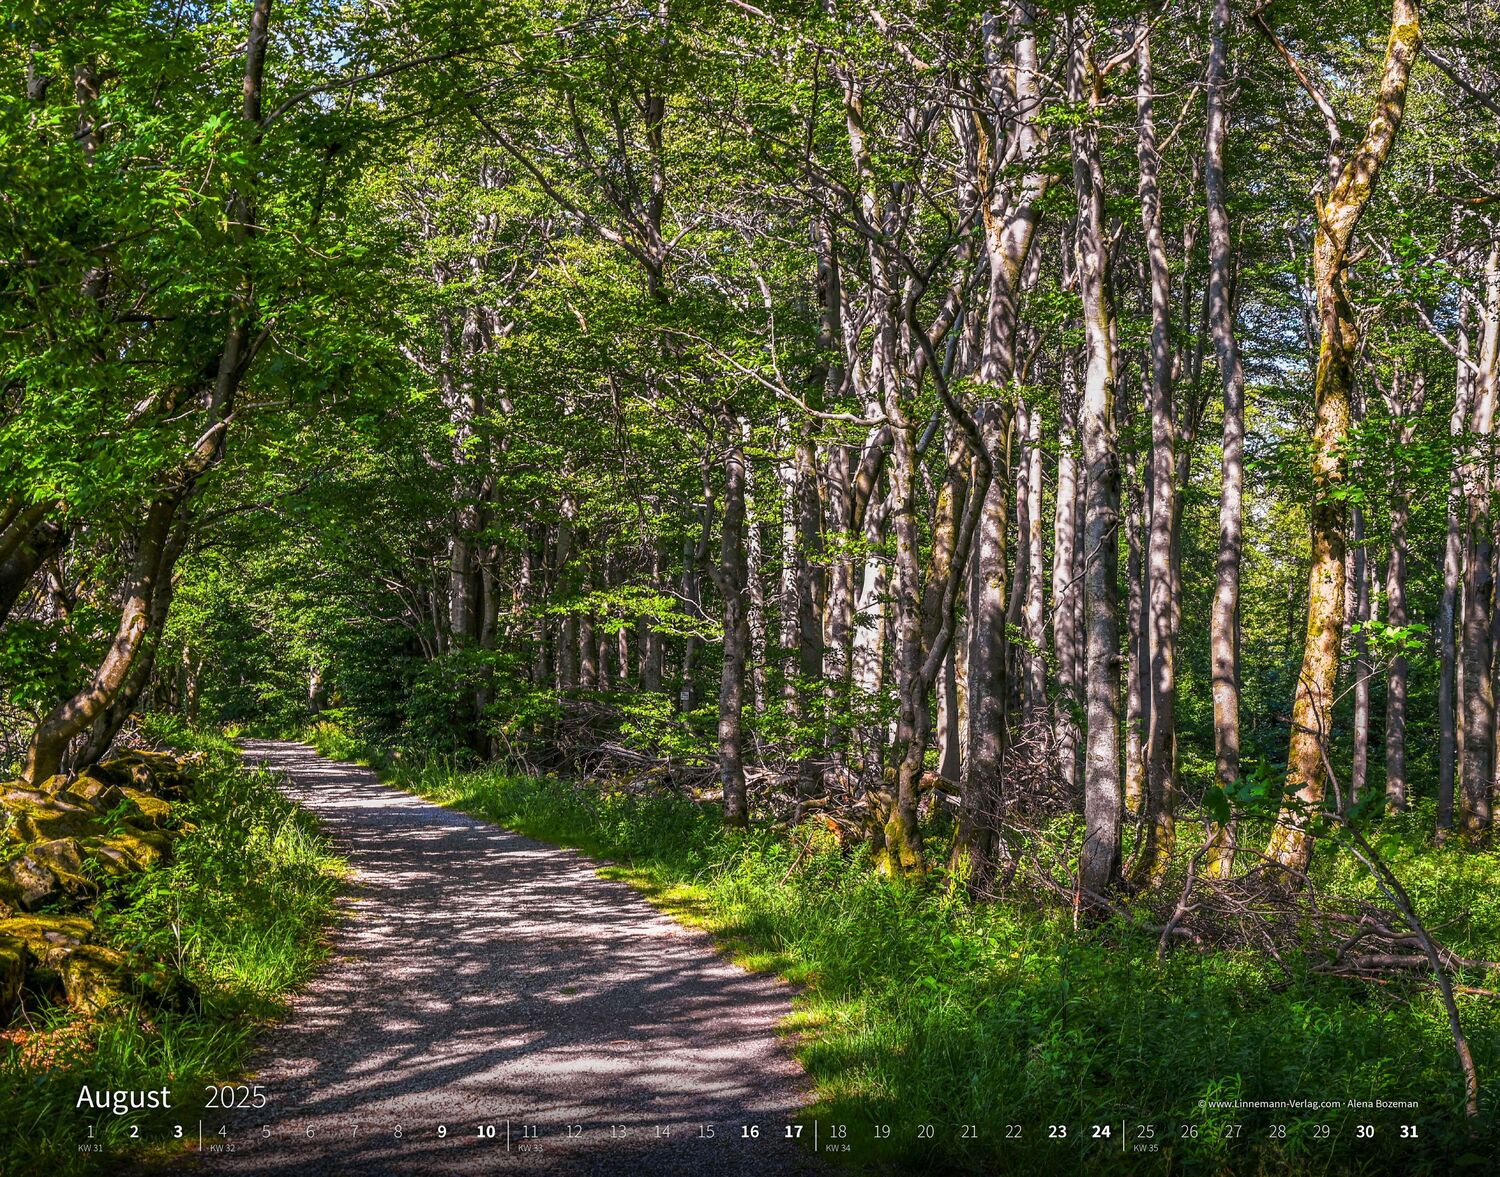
92, 793
93, 977
54, 784
42, 820
143, 848
64, 858
13, 964
153, 810
43, 934
10, 896
33, 884
154, 772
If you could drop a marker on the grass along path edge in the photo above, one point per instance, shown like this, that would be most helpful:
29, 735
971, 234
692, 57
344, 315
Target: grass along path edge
947, 1023
243, 909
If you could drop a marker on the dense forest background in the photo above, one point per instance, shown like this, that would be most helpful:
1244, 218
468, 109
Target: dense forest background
991, 431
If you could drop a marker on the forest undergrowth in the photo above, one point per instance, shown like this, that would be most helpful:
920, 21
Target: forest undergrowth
239, 911
919, 1009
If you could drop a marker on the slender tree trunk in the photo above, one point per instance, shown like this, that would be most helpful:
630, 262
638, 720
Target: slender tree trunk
731, 585
1224, 619
981, 795
1137, 653
1398, 672
1449, 675
1099, 861
649, 642
1478, 475
757, 603
1011, 216
1034, 622
1339, 212
1161, 639
1359, 771
901, 847
1067, 592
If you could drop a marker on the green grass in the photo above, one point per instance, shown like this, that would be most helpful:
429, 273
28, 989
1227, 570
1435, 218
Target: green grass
241, 910
915, 1007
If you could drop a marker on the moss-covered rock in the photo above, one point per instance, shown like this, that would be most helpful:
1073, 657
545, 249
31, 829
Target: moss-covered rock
153, 810
10, 896
43, 934
64, 858
13, 962
155, 772
142, 848
93, 793
34, 885
43, 820
93, 977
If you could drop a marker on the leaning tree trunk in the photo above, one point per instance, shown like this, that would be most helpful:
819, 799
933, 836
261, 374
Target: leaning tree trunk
1011, 216
1339, 212
107, 724
49, 742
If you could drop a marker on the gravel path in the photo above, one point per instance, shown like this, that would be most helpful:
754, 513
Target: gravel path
491, 984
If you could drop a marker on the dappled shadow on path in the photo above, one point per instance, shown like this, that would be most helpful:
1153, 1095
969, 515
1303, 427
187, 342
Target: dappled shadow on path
486, 983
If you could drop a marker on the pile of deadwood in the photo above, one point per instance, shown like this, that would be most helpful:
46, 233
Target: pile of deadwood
60, 846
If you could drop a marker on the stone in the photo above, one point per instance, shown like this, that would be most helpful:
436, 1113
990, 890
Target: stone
64, 858
41, 821
144, 848
154, 772
10, 896
33, 883
54, 784
44, 934
153, 810
13, 964
113, 860
93, 977
92, 793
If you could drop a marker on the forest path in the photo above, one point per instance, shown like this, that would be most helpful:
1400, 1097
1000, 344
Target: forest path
482, 980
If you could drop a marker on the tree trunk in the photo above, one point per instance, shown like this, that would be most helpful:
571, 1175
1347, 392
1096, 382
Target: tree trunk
1478, 475
1011, 215
1161, 640
1099, 861
1339, 212
1224, 619
1359, 771
1067, 591
49, 742
1033, 617
1137, 665
35, 547
731, 585
981, 796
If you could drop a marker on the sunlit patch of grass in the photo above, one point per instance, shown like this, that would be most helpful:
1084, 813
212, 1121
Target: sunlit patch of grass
241, 909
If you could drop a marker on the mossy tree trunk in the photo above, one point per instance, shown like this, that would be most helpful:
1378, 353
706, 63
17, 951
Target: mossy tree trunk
1353, 183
